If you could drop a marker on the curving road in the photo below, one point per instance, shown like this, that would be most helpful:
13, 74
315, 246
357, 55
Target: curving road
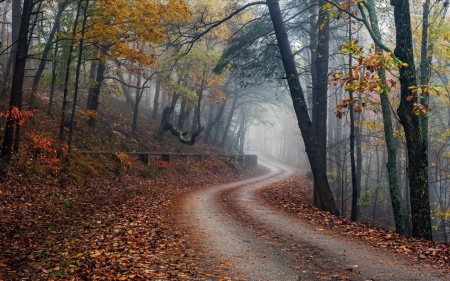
234, 226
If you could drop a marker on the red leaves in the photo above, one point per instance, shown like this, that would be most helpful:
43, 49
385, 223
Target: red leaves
160, 164
209, 164
20, 116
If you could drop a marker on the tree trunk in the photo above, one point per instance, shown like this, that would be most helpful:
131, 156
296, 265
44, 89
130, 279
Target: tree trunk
67, 76
4, 23
94, 93
320, 87
416, 143
301, 110
77, 74
391, 146
156, 100
355, 188
182, 116
53, 83
214, 122
230, 118
17, 83
137, 100
56, 23
15, 26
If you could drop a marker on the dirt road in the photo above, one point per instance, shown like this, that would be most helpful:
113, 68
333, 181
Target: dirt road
237, 228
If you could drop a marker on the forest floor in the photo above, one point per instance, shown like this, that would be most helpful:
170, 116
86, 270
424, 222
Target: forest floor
265, 229
106, 229
131, 228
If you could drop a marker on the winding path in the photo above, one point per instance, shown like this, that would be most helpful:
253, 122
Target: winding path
235, 226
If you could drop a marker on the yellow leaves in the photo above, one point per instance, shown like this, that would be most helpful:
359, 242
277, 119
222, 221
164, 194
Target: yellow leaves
120, 23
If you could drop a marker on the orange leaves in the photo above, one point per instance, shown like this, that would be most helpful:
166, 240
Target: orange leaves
125, 160
20, 116
89, 114
120, 23
343, 107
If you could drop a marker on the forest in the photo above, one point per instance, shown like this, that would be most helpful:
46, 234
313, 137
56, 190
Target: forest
355, 93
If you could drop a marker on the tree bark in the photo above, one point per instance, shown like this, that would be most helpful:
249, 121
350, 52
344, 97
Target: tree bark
77, 74
230, 118
15, 26
56, 23
320, 86
415, 141
301, 109
94, 93
396, 199
156, 101
17, 83
355, 188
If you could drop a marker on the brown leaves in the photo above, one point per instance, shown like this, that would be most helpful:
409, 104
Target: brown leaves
295, 196
113, 229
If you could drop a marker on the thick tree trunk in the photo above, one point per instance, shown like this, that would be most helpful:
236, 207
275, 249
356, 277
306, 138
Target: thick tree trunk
301, 110
415, 140
320, 87
94, 93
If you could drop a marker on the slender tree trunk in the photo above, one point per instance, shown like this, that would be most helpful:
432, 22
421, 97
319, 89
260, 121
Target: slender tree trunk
156, 100
391, 146
301, 110
15, 25
212, 124
17, 83
56, 24
137, 100
416, 142
77, 75
4, 19
355, 187
230, 118
126, 90
67, 76
53, 83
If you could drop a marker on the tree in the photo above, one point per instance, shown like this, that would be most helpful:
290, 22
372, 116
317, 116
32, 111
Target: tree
410, 112
116, 28
15, 101
396, 199
415, 139
301, 110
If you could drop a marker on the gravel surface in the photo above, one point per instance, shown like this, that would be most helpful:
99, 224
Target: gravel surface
235, 227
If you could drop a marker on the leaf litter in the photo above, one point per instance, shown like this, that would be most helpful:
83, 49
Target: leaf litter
109, 228
294, 195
